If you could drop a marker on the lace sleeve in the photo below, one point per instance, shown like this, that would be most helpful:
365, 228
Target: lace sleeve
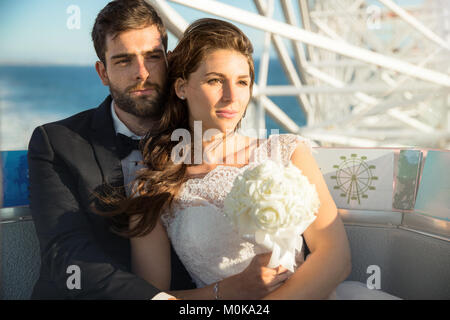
168, 214
165, 218
283, 146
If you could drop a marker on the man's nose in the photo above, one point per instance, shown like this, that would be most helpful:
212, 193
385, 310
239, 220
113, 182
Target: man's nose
142, 71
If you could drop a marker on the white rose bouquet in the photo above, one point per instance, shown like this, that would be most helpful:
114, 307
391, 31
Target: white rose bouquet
274, 205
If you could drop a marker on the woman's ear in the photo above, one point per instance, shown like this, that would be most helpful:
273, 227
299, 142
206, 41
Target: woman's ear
101, 70
180, 88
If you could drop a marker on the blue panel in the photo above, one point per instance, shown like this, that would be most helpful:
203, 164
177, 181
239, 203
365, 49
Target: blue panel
408, 171
433, 198
15, 178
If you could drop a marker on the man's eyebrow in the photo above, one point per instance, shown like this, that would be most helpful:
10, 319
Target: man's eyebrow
155, 51
122, 55
130, 55
223, 76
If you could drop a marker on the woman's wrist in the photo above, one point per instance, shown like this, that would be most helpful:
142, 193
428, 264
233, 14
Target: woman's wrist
228, 288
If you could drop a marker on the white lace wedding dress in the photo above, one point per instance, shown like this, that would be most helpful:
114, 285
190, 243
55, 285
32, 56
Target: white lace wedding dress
202, 235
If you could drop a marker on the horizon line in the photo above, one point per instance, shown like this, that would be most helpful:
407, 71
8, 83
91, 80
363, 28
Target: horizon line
44, 64
68, 64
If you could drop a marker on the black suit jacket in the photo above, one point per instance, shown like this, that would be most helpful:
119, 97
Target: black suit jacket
68, 159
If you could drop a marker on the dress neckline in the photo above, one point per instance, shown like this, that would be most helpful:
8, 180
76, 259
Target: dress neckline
252, 154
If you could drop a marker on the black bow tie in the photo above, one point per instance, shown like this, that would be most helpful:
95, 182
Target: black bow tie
125, 145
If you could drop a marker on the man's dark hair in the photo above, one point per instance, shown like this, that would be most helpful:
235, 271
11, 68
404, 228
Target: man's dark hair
123, 15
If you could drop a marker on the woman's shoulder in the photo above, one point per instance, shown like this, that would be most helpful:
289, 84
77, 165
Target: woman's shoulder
282, 139
290, 141
286, 138
280, 147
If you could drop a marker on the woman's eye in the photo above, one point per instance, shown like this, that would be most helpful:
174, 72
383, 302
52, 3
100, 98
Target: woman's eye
214, 81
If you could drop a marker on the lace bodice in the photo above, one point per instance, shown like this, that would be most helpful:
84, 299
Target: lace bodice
201, 234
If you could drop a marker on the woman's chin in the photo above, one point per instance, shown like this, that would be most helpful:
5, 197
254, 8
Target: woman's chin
225, 127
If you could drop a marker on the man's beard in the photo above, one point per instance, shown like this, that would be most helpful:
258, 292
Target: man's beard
139, 106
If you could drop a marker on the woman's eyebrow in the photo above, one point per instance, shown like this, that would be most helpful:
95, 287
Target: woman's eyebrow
215, 74
223, 76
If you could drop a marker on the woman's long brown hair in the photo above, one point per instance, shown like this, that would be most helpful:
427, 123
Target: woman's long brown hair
158, 183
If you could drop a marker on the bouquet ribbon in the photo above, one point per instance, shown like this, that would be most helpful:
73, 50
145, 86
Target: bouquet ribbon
284, 244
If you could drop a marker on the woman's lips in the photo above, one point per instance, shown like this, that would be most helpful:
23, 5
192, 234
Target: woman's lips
226, 114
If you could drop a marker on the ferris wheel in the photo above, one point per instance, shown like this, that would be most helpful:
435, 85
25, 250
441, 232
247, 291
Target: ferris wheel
354, 178
364, 73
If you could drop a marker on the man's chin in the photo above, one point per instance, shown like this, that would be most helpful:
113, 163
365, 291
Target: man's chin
148, 107
146, 115
142, 111
142, 107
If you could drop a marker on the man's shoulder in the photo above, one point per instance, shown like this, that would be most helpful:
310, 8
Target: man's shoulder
72, 120
77, 122
74, 127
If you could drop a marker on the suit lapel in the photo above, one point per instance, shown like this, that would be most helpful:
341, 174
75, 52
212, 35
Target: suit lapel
104, 144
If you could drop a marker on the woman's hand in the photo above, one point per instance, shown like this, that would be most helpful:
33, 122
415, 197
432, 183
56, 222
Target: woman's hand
329, 262
255, 282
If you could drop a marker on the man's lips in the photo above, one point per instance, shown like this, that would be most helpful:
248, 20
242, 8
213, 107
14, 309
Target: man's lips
142, 92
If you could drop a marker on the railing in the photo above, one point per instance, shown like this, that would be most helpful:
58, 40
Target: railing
408, 189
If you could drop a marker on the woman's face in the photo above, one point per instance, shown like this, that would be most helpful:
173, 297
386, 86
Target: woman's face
218, 92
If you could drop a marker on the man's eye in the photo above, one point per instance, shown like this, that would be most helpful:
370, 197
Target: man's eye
123, 62
154, 57
243, 83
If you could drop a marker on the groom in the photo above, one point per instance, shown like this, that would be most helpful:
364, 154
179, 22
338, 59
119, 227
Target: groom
68, 159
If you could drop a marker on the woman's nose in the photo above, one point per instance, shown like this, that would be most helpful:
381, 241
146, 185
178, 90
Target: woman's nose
229, 92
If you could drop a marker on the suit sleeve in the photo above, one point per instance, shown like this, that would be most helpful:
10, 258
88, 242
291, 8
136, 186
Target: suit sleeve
66, 237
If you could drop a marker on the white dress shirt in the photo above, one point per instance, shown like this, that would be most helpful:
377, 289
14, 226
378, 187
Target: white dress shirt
133, 161
130, 165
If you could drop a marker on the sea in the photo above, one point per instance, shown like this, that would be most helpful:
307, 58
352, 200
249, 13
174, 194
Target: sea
33, 95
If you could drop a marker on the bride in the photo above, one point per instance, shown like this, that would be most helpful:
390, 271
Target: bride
210, 80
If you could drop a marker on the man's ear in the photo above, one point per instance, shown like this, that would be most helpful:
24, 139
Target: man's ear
180, 88
101, 70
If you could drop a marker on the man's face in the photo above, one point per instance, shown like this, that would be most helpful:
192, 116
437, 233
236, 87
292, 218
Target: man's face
135, 70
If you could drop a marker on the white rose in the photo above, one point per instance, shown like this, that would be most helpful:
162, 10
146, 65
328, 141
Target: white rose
270, 216
274, 205
271, 197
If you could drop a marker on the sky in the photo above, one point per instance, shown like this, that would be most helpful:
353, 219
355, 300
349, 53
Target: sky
35, 31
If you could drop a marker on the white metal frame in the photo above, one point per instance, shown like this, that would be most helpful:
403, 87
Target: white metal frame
354, 87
